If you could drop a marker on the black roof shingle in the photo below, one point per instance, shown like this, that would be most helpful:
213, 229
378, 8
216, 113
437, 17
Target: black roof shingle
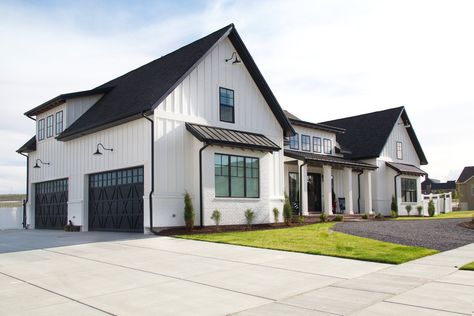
466, 174
29, 146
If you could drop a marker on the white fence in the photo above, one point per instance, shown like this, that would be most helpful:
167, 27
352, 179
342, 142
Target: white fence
11, 218
443, 202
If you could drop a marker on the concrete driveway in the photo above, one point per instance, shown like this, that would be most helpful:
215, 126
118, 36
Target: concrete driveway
121, 274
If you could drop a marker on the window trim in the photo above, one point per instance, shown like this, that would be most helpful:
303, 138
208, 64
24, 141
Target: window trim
57, 121
309, 142
41, 129
320, 145
328, 141
226, 105
297, 137
48, 135
414, 198
230, 178
401, 150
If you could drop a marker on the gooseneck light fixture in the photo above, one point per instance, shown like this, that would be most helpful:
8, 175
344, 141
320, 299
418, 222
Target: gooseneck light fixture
36, 166
236, 60
98, 153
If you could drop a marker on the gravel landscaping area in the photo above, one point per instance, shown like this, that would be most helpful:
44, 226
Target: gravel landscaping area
440, 234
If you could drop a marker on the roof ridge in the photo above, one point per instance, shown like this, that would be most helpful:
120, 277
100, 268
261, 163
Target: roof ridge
365, 114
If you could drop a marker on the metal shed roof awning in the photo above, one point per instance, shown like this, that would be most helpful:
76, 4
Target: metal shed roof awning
406, 169
29, 146
232, 138
328, 160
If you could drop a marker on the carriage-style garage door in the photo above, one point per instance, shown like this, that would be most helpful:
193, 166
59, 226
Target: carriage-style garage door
51, 204
116, 200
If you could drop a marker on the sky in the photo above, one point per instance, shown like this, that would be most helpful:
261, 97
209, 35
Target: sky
322, 59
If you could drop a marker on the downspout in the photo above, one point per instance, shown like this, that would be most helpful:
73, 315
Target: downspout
358, 189
27, 188
301, 188
152, 190
201, 219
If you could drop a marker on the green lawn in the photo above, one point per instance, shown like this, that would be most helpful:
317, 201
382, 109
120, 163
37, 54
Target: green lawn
469, 266
319, 239
457, 214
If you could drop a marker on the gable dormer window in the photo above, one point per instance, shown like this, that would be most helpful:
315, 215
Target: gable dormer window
41, 129
49, 126
226, 105
399, 151
59, 122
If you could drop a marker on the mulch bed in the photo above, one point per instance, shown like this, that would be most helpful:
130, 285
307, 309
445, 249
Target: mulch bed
469, 224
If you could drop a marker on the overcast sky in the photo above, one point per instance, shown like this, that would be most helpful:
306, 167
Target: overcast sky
322, 59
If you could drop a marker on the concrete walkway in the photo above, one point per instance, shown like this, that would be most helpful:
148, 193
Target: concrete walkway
166, 276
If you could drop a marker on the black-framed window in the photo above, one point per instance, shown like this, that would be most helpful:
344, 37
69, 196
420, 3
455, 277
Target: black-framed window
294, 142
293, 188
226, 105
317, 146
116, 177
399, 149
59, 122
305, 143
41, 129
409, 190
236, 176
49, 126
327, 146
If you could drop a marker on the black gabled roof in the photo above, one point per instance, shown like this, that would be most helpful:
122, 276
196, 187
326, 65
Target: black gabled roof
466, 174
328, 159
366, 134
228, 137
138, 91
29, 146
404, 168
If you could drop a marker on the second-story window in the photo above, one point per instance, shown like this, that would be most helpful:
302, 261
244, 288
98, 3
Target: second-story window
49, 126
226, 105
327, 146
41, 129
317, 144
294, 142
59, 122
305, 143
399, 150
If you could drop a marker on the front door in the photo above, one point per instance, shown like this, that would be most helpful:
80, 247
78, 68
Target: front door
314, 192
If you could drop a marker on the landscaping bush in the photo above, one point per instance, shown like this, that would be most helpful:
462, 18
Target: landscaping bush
431, 208
338, 218
365, 216
393, 214
216, 217
394, 206
249, 217
323, 217
287, 212
378, 216
408, 208
189, 213
276, 214
301, 219
419, 208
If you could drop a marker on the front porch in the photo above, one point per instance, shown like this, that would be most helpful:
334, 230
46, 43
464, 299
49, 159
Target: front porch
349, 190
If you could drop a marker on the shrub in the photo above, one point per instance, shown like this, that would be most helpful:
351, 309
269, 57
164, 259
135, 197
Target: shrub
323, 217
393, 214
287, 212
365, 216
431, 208
378, 216
338, 218
408, 208
301, 219
394, 205
249, 217
216, 217
419, 208
276, 214
189, 213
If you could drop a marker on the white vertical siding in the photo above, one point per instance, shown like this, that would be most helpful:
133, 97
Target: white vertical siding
78, 106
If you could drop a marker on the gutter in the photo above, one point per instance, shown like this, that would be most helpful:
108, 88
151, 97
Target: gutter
301, 187
25, 201
358, 189
201, 198
152, 190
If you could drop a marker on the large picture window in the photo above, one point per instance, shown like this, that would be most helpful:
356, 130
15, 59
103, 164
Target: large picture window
305, 143
317, 144
59, 122
409, 190
327, 146
41, 129
236, 176
226, 108
49, 126
294, 142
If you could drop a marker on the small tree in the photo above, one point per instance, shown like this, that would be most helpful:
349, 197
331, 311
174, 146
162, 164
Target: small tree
408, 208
216, 217
394, 206
189, 213
431, 208
419, 208
276, 214
249, 217
287, 212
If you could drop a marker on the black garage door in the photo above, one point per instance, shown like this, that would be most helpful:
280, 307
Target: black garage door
51, 204
116, 200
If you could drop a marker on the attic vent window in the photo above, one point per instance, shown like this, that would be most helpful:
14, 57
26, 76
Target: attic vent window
226, 105
399, 151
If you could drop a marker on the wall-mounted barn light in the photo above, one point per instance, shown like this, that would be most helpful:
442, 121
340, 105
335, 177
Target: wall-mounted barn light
236, 60
36, 166
97, 152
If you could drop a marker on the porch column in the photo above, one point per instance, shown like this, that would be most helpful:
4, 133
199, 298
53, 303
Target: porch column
348, 191
327, 190
303, 187
368, 192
